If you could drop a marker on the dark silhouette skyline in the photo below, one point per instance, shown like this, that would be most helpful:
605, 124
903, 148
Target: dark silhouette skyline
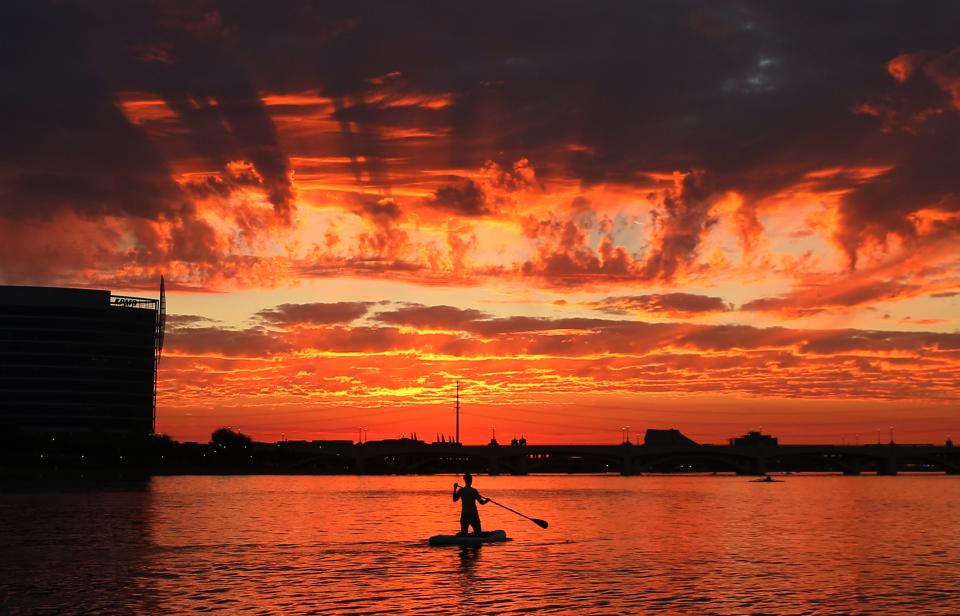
232, 452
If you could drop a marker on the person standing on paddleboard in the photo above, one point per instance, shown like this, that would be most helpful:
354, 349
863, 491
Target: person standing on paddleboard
468, 497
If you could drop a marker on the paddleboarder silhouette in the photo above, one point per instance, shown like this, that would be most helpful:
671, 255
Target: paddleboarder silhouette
468, 497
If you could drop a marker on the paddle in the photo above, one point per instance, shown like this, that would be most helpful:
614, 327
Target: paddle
540, 523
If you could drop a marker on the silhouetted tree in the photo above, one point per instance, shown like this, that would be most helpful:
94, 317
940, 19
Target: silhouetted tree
163, 441
151, 449
229, 439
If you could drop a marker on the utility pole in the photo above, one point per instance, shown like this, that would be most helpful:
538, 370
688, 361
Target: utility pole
458, 412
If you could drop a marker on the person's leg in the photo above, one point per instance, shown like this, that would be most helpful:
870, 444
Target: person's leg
475, 522
464, 524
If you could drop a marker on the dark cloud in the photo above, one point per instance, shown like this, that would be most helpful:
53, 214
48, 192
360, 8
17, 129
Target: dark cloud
66, 145
382, 210
943, 69
202, 77
67, 141
251, 342
670, 304
535, 325
566, 255
368, 267
679, 227
314, 314
497, 188
466, 198
386, 240
238, 174
601, 94
439, 317
473, 333
71, 156
844, 294
174, 321
886, 206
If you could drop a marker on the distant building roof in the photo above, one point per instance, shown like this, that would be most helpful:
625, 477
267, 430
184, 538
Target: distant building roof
54, 296
671, 437
63, 297
753, 438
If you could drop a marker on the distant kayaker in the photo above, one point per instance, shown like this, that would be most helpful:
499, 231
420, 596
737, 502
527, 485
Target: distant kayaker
468, 497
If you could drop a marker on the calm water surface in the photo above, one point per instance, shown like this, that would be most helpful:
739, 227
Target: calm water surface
813, 544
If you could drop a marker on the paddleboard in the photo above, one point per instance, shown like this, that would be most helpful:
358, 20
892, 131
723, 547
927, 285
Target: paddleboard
491, 536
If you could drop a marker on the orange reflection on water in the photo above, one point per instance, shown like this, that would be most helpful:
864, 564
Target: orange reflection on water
299, 544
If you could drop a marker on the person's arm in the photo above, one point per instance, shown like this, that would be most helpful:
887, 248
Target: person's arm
456, 491
482, 500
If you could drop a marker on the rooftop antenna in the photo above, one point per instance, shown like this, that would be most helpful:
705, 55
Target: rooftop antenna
458, 412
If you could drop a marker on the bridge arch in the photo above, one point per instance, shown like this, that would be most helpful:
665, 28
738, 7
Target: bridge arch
469, 461
846, 463
573, 460
950, 467
742, 465
325, 460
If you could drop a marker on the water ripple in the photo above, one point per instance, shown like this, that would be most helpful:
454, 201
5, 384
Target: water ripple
336, 545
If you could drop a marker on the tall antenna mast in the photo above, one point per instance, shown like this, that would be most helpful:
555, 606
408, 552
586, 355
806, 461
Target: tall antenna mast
458, 412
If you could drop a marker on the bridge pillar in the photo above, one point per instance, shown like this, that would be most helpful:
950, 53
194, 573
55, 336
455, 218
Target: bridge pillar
360, 465
493, 465
757, 466
851, 466
887, 466
520, 464
630, 466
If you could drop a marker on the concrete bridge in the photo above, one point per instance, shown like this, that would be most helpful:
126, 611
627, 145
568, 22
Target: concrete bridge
406, 456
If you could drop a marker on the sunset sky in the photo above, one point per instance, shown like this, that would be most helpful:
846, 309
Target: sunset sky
710, 216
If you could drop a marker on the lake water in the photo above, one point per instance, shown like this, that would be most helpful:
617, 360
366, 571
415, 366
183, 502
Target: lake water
259, 544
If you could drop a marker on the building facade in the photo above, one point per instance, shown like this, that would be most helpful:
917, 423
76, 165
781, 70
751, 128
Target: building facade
78, 360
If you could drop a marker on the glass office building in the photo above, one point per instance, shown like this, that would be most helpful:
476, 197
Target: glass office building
78, 360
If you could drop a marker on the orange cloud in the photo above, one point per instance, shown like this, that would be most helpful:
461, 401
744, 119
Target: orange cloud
667, 304
412, 361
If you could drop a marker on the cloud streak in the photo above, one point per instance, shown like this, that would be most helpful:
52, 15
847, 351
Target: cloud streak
568, 355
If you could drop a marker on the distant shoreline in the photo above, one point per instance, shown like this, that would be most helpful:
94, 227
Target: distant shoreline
27, 477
